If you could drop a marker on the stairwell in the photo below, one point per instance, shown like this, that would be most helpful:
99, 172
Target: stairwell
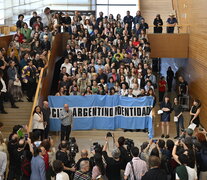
150, 8
15, 116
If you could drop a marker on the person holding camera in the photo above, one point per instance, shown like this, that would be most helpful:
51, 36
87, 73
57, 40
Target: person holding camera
183, 171
66, 117
63, 155
136, 168
114, 164
125, 155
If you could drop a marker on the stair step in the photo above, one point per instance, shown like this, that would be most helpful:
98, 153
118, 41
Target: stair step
15, 116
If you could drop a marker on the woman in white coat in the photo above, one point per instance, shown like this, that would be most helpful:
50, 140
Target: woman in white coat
38, 123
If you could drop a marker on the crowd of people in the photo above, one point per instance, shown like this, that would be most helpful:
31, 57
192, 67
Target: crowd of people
30, 158
103, 55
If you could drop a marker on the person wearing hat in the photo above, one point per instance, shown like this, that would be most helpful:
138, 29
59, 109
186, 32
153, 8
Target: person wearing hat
171, 21
114, 163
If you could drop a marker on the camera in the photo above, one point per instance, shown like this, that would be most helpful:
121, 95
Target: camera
73, 147
109, 134
129, 143
154, 140
96, 147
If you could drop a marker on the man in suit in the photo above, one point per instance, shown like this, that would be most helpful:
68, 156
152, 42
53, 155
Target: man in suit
38, 164
46, 117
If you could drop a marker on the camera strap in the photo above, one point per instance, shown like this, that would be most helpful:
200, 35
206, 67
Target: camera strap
133, 170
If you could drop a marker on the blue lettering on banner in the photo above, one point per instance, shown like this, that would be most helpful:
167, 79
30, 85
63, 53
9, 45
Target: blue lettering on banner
104, 112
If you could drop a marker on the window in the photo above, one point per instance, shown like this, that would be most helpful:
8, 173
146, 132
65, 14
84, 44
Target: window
116, 7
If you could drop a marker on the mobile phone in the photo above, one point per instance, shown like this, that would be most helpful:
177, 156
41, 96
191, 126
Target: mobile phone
26, 137
154, 140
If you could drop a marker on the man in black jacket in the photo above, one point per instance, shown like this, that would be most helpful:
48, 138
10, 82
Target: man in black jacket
4, 94
128, 19
46, 117
114, 164
33, 19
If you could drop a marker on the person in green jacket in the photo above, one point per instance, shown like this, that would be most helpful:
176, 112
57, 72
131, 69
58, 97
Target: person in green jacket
26, 32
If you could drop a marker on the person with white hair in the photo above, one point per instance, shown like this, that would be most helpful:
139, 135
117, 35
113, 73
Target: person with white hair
66, 117
114, 163
83, 173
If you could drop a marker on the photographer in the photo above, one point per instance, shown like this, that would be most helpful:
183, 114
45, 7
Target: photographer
184, 171
21, 157
114, 164
125, 154
63, 155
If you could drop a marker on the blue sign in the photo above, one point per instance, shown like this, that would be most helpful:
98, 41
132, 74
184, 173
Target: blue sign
104, 112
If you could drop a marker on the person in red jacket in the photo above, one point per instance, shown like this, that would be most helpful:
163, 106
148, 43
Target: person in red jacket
162, 88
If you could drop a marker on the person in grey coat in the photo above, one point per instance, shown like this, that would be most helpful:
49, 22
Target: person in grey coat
66, 117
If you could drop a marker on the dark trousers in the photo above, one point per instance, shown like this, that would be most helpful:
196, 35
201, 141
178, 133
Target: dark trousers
31, 89
179, 125
65, 132
5, 96
169, 84
47, 128
170, 29
157, 29
161, 96
40, 133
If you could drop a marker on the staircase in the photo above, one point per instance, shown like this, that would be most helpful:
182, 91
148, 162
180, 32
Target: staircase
15, 116
150, 8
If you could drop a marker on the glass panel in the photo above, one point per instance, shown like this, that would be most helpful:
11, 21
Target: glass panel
116, 2
123, 2
69, 2
104, 9
102, 1
122, 10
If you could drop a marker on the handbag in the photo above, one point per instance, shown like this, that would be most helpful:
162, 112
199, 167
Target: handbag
17, 83
192, 126
175, 119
